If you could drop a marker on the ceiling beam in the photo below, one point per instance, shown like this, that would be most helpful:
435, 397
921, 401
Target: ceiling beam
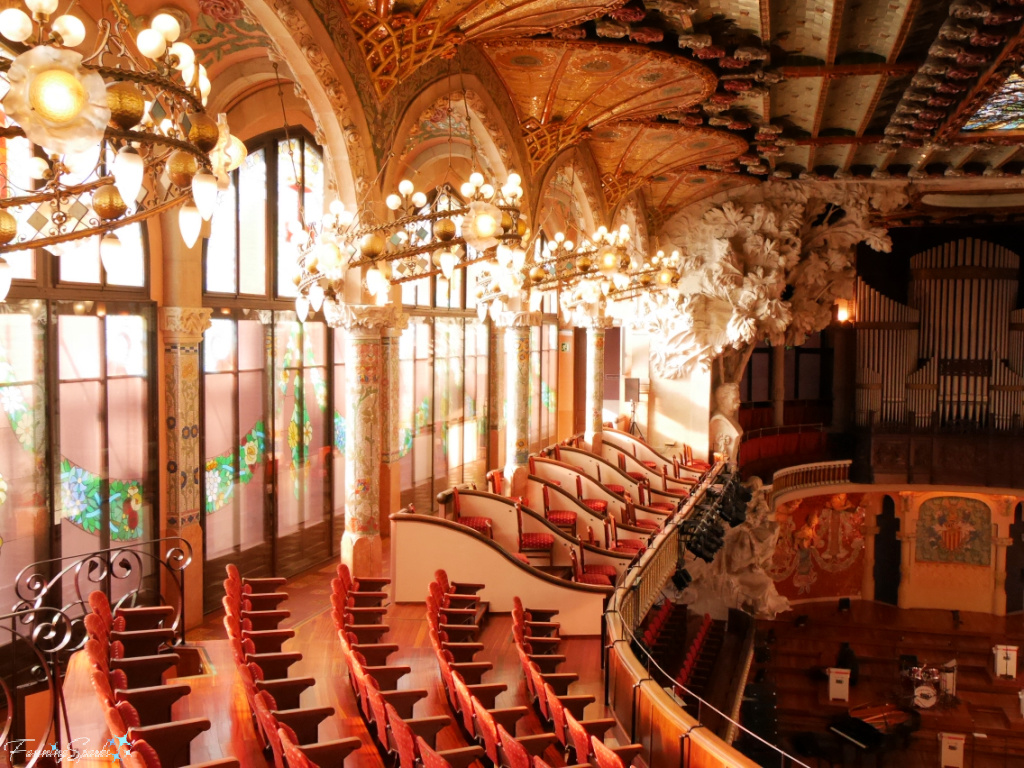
849, 70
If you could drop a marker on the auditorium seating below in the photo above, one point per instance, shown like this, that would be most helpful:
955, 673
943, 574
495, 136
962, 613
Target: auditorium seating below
217, 693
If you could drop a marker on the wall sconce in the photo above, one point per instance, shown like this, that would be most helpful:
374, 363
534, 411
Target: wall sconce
843, 313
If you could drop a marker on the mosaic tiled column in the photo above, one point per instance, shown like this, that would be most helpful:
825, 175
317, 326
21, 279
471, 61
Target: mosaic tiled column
517, 327
182, 330
365, 403
391, 448
596, 328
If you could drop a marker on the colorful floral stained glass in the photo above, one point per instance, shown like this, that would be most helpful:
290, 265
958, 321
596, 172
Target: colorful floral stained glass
547, 397
220, 470
82, 502
1004, 110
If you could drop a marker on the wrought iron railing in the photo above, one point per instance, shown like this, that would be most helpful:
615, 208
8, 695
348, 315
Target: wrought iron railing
148, 573
35, 640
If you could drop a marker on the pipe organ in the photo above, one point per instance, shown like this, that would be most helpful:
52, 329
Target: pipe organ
953, 356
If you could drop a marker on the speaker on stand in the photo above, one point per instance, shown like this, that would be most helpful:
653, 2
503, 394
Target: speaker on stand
632, 395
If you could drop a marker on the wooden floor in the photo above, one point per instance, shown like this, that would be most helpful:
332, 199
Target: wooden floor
218, 696
988, 708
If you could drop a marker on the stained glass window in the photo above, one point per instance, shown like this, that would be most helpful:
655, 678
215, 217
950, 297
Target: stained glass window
1004, 110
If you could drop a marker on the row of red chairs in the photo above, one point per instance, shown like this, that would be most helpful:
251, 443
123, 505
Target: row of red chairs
128, 653
472, 699
252, 617
689, 667
537, 644
657, 622
388, 711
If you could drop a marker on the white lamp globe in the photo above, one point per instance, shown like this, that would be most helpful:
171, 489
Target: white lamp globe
111, 254
204, 192
185, 55
167, 26
476, 179
15, 25
419, 199
189, 222
70, 29
38, 167
151, 43
42, 6
128, 172
514, 180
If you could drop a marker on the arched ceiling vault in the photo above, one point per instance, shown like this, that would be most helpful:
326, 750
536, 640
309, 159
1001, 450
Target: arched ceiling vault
735, 90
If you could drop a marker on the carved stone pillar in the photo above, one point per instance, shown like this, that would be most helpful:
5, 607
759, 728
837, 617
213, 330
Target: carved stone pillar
596, 328
517, 327
906, 536
999, 589
181, 330
390, 479
365, 405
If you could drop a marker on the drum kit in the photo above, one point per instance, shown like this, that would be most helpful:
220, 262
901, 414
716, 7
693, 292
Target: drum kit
930, 686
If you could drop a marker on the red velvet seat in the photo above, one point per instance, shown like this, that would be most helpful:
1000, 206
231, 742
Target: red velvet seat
615, 488
650, 464
582, 577
481, 525
562, 518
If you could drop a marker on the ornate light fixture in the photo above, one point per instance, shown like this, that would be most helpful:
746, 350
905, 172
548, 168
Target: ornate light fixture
115, 137
429, 235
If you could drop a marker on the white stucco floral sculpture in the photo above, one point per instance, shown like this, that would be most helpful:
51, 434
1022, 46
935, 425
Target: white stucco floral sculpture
766, 266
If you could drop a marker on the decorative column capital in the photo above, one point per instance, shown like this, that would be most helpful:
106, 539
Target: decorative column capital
1004, 541
906, 536
184, 324
369, 318
519, 319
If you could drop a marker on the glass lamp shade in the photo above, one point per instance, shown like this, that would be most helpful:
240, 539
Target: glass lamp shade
70, 29
57, 96
186, 56
5, 279
15, 25
42, 6
128, 171
448, 260
302, 308
112, 254
167, 26
189, 222
204, 192
316, 297
151, 43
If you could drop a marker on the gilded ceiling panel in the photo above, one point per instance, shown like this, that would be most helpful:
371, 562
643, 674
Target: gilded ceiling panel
667, 194
629, 154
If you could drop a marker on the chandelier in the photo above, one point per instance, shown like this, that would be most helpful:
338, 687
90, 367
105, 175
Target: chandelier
428, 235
100, 141
602, 268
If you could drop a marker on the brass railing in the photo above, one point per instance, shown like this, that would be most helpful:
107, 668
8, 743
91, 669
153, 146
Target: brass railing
648, 712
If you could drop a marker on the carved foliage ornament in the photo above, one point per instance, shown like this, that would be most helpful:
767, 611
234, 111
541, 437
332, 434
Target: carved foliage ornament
769, 265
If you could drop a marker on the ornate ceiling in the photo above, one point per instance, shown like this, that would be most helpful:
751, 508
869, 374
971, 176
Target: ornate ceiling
680, 99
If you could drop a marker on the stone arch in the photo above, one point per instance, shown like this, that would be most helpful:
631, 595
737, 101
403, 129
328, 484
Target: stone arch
448, 130
633, 212
321, 78
569, 198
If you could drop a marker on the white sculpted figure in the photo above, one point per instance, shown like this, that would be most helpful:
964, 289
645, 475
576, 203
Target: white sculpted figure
724, 429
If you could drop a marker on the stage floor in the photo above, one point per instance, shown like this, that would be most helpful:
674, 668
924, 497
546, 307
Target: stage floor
986, 708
